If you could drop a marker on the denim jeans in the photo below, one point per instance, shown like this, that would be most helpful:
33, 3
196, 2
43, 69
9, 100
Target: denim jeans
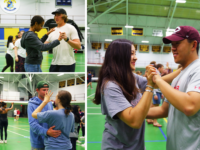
32, 67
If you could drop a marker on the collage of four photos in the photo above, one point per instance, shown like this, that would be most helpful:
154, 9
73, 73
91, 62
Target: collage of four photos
140, 59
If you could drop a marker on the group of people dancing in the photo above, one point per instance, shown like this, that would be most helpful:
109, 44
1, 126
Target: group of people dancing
28, 49
126, 97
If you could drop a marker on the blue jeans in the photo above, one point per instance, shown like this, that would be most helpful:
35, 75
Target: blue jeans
159, 98
32, 67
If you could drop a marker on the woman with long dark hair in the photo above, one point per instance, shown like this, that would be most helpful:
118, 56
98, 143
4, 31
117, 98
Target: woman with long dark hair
34, 46
4, 121
74, 135
121, 101
9, 54
62, 119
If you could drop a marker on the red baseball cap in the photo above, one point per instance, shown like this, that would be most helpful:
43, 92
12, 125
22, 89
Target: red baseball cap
181, 33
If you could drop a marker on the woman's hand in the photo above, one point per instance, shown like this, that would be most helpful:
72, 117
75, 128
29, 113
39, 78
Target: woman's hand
53, 29
47, 96
150, 73
16, 59
60, 36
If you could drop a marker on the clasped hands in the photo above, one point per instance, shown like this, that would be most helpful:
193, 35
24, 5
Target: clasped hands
61, 36
152, 76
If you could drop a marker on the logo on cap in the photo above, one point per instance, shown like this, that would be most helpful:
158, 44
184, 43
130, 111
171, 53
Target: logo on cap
177, 29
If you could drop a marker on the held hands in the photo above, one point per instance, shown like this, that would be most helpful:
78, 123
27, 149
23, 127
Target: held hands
150, 73
47, 96
62, 36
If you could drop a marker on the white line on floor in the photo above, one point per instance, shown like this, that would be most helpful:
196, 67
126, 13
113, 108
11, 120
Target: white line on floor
93, 107
91, 95
19, 134
19, 128
94, 113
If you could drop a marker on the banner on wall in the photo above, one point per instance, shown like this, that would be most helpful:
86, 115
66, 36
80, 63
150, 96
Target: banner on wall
79, 81
167, 49
156, 49
116, 31
70, 82
10, 6
137, 32
144, 48
135, 45
106, 45
62, 84
96, 45
63, 2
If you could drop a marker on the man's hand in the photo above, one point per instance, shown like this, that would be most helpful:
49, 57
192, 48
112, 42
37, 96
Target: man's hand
64, 36
53, 133
155, 97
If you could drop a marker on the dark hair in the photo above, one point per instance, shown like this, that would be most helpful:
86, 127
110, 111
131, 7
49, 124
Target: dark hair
3, 104
197, 49
37, 19
10, 39
153, 63
76, 114
65, 99
159, 66
116, 67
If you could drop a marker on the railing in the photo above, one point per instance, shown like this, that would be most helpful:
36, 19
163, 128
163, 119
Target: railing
26, 19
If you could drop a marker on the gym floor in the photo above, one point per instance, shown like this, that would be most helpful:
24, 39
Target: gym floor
18, 136
155, 138
79, 57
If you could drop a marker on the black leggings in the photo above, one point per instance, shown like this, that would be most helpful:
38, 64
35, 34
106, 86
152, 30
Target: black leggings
73, 141
4, 124
9, 62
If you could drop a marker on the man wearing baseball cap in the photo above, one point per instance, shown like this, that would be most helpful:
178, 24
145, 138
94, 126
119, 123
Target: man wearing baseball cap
63, 55
39, 130
182, 103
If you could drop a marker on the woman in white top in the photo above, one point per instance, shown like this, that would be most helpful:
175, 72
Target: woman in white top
9, 54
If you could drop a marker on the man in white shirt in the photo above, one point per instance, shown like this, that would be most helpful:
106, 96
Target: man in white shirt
63, 54
20, 55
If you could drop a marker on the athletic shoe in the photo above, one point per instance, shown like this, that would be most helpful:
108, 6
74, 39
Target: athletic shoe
83, 145
5, 141
82, 137
1, 141
78, 141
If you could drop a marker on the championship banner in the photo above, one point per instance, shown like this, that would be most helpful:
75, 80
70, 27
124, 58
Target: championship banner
167, 49
96, 45
144, 48
135, 45
106, 45
156, 49
117, 31
137, 32
70, 82
79, 81
62, 84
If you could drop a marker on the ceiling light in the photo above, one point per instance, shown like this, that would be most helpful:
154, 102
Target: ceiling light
128, 26
88, 27
108, 40
145, 41
60, 74
1, 77
181, 1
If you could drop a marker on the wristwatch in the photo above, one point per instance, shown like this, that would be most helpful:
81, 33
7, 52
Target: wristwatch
67, 39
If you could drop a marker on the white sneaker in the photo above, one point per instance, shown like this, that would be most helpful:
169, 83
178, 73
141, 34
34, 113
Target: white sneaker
82, 137
83, 145
78, 141
5, 141
1, 141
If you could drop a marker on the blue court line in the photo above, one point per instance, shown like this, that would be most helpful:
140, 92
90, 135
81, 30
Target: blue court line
163, 133
145, 141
